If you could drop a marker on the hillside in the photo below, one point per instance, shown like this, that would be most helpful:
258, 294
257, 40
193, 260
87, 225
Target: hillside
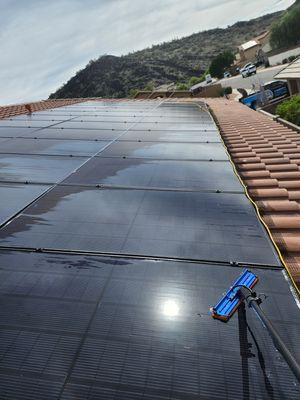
175, 61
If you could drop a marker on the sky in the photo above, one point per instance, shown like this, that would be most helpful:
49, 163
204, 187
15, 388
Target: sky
44, 42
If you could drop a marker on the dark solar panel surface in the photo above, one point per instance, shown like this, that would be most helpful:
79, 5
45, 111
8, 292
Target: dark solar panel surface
141, 172
172, 136
14, 197
158, 150
36, 168
10, 132
82, 327
205, 226
112, 326
52, 147
74, 134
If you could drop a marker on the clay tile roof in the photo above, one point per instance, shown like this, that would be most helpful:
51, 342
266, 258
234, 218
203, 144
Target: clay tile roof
16, 109
24, 108
266, 156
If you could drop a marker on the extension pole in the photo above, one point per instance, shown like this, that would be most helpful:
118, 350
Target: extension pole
254, 302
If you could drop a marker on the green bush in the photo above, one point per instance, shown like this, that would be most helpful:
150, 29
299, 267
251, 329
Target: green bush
225, 91
194, 80
133, 92
149, 87
228, 90
182, 86
290, 110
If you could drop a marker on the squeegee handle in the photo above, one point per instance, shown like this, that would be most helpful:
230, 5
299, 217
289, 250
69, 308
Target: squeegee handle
278, 342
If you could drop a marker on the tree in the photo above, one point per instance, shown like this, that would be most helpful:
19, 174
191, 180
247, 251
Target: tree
220, 63
286, 32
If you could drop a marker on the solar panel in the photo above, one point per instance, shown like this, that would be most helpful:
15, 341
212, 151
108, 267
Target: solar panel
160, 223
125, 246
36, 169
52, 147
141, 172
172, 136
25, 123
76, 134
14, 197
167, 151
10, 132
123, 328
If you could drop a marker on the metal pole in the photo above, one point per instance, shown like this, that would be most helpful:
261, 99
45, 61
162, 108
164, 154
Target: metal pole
254, 302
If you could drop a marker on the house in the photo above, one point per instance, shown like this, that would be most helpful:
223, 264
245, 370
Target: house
250, 50
292, 74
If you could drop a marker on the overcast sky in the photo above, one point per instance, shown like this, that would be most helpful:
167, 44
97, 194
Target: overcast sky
44, 42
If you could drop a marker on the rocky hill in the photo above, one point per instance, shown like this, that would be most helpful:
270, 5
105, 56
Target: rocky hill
175, 61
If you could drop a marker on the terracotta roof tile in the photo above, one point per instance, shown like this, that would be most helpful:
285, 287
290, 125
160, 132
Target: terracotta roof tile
17, 109
267, 157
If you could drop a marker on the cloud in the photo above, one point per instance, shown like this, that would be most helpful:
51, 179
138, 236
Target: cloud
43, 43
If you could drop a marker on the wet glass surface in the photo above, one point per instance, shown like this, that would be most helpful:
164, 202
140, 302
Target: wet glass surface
117, 126
15, 197
76, 134
13, 131
179, 126
172, 136
161, 174
158, 223
28, 118
54, 147
119, 328
21, 168
89, 327
24, 123
2, 140
180, 151
112, 117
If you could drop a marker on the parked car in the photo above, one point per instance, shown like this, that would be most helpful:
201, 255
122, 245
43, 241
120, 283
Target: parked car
248, 70
227, 74
272, 91
208, 79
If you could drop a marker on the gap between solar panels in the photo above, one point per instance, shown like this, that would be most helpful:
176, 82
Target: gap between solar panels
234, 264
117, 187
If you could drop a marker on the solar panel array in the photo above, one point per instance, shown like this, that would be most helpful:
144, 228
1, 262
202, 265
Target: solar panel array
155, 176
115, 220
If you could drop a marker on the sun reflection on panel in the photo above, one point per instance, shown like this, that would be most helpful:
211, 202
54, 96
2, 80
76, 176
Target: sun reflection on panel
170, 308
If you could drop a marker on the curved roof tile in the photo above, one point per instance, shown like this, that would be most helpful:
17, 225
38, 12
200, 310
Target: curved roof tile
266, 155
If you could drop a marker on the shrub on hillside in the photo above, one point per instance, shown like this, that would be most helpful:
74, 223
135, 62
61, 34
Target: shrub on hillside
194, 80
290, 110
182, 86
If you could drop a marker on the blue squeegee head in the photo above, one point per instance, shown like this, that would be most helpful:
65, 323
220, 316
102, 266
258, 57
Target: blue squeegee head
230, 301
